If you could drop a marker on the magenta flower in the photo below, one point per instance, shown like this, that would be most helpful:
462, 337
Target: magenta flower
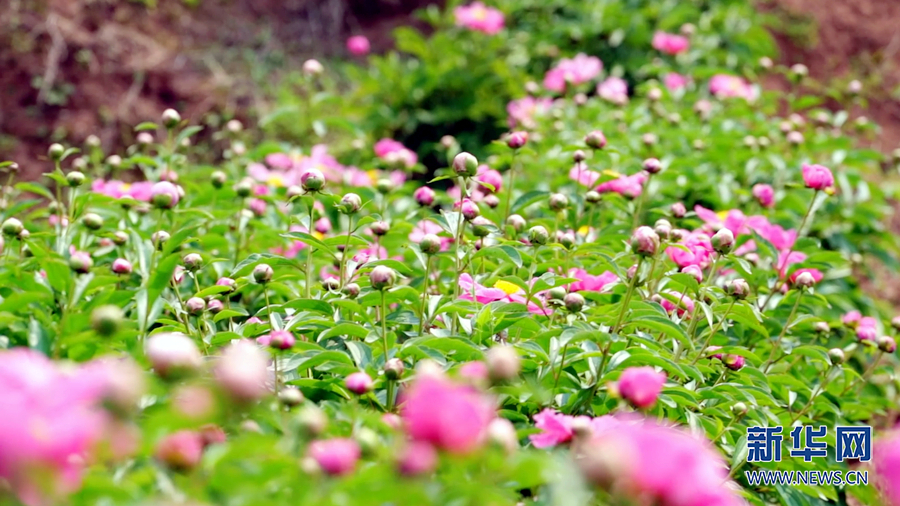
391, 150
764, 194
118, 189
583, 176
817, 177
243, 371
417, 458
359, 383
180, 450
337, 456
886, 461
572, 72
727, 86
556, 428
522, 111
424, 196
670, 43
674, 81
501, 291
451, 417
277, 339
358, 45
867, 329
613, 89
641, 385
682, 304
851, 319
476, 16
628, 186
590, 283
699, 251
274, 177
491, 177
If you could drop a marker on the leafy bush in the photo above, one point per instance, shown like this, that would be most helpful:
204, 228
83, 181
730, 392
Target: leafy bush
598, 314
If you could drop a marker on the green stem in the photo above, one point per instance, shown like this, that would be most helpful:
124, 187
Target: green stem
562, 365
309, 253
424, 296
458, 239
384, 337
777, 344
509, 190
812, 396
627, 299
269, 308
640, 203
713, 333
866, 374
346, 250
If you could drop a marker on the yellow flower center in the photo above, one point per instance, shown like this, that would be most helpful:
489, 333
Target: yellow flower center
722, 215
507, 287
480, 13
126, 186
584, 230
611, 173
276, 180
373, 176
318, 235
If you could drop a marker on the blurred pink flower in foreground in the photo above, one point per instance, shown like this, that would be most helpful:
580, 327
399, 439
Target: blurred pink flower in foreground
628, 186
358, 45
477, 16
118, 189
557, 428
336, 456
451, 417
764, 194
670, 43
572, 71
522, 111
886, 461
641, 385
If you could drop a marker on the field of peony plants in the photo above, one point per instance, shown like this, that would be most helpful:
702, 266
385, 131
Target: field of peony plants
645, 292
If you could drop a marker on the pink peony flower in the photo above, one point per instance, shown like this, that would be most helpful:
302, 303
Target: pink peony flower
557, 428
166, 191
522, 111
502, 290
817, 177
764, 194
572, 71
727, 86
491, 177
451, 417
816, 274
243, 371
417, 458
886, 462
359, 383
675, 82
613, 89
867, 329
697, 251
641, 385
337, 456
118, 189
476, 371
476, 16
389, 149
670, 43
851, 319
358, 45
583, 176
683, 304
181, 450
424, 196
589, 283
628, 186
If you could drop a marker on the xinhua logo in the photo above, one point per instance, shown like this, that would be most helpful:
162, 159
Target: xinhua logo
807, 442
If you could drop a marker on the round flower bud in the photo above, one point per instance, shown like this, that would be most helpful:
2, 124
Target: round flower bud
385, 186
92, 221
170, 118
795, 138
517, 222
538, 235
81, 262
804, 280
837, 356
195, 306
380, 228
114, 161
263, 273
895, 322
430, 244
12, 227
106, 320
244, 188
887, 344
359, 383
663, 228
164, 195
854, 87
738, 288
312, 420
215, 306
491, 201
312, 180
766, 62
566, 239
350, 290
424, 196
172, 353
644, 241
558, 202
799, 70
120, 238
331, 284
465, 164
556, 293
393, 369
517, 140
227, 282
469, 210
159, 238
481, 226
350, 203
822, 327
723, 241
593, 197
574, 302
192, 261
382, 277
503, 363
312, 67
649, 139
293, 192
218, 179
290, 397
55, 151
23, 236
739, 409
652, 166
654, 94
595, 140
180, 451
75, 178
121, 266
578, 156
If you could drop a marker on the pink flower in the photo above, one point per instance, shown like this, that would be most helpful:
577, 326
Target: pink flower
490, 177
389, 149
426, 227
359, 383
358, 45
118, 189
886, 461
424, 196
502, 290
277, 339
417, 458
522, 111
572, 71
613, 89
451, 417
816, 274
670, 43
867, 329
181, 450
590, 283
697, 251
475, 371
243, 371
675, 82
167, 191
851, 319
337, 456
628, 186
583, 176
557, 428
476, 16
727, 86
683, 305
817, 177
764, 194
641, 385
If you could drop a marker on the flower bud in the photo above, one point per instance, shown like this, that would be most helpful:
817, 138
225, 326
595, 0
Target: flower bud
106, 320
822, 327
192, 261
263, 273
578, 156
558, 202
566, 239
114, 161
290, 397
538, 235
121, 266
574, 302
380, 228
218, 179
517, 140
242, 371
312, 180
593, 197
652, 166
278, 340
424, 196
739, 409
350, 203
491, 200
503, 363
469, 210
12, 227
312, 420
382, 277
75, 178
738, 288
312, 67
359, 383
655, 94
417, 459
92, 221
465, 164
195, 306
159, 238
556, 293
663, 228
723, 241
887, 344
170, 118
120, 238
644, 241
430, 244
215, 306
385, 186
331, 284
164, 195
595, 140
799, 71
837, 356
804, 280
517, 222
350, 290
55, 151
180, 451
481, 226
172, 353
854, 87
795, 138
895, 322
81, 262
393, 369
502, 433
228, 282
649, 139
